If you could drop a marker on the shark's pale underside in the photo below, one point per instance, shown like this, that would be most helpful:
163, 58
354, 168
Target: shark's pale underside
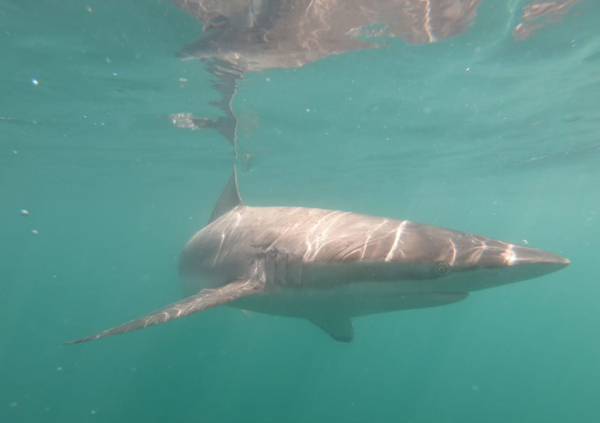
330, 266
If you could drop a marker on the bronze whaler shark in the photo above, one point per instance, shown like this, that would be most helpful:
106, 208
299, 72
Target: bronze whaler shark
330, 266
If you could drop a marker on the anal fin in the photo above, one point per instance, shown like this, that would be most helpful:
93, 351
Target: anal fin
338, 326
207, 298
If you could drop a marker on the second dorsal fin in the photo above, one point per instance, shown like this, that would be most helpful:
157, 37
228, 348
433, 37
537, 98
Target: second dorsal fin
229, 199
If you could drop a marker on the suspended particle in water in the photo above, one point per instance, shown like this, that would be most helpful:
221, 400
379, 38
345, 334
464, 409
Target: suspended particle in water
35, 232
34, 81
24, 212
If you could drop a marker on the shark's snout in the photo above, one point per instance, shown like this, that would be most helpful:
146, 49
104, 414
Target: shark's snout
525, 255
532, 263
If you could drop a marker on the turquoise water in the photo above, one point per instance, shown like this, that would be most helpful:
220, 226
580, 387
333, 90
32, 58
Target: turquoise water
477, 133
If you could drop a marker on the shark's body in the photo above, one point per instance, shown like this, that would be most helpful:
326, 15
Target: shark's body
328, 266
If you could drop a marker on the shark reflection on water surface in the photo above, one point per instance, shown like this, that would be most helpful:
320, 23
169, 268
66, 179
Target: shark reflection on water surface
250, 35
259, 34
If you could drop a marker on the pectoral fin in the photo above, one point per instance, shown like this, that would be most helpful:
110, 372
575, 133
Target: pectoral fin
339, 327
203, 300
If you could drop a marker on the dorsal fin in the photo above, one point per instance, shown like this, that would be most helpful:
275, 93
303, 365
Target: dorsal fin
229, 199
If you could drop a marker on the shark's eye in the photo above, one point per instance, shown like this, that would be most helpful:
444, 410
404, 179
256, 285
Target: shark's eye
217, 21
441, 268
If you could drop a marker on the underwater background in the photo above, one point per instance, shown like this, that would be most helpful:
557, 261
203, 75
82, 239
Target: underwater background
99, 192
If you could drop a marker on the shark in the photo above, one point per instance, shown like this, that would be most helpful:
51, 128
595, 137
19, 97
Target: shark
329, 267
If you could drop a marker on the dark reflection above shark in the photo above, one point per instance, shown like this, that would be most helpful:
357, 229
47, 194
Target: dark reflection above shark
329, 266
260, 34
249, 35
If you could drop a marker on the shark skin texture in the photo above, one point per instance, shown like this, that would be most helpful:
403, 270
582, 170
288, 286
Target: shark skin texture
330, 266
